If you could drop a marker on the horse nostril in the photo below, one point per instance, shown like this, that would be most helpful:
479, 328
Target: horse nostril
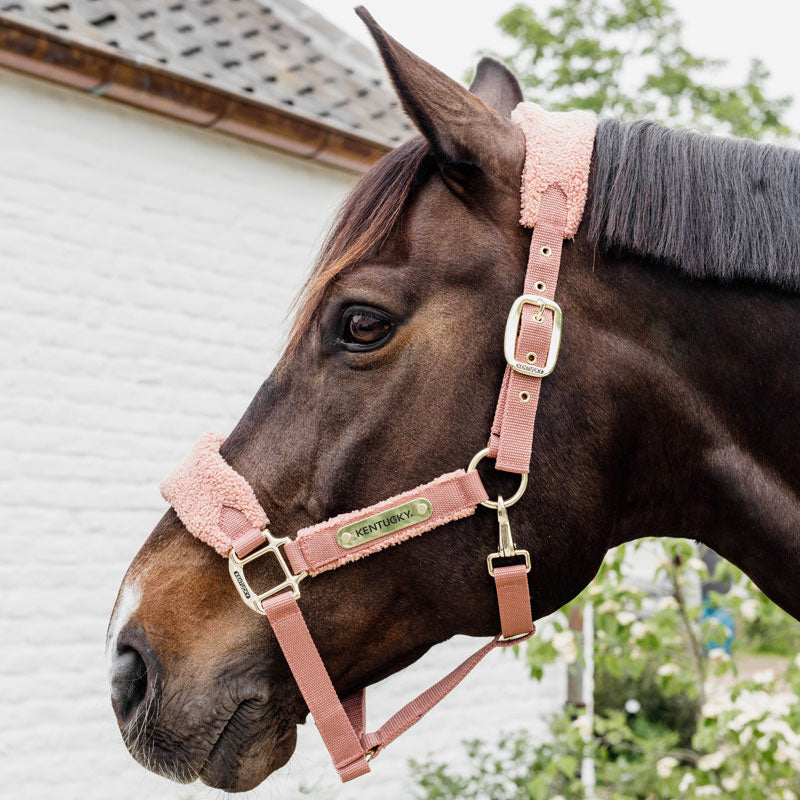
134, 676
128, 682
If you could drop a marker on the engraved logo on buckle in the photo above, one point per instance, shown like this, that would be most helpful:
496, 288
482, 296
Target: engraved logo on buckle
242, 584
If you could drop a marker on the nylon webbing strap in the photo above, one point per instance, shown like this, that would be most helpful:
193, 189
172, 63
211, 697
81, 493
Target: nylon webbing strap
511, 439
414, 711
291, 631
341, 723
513, 600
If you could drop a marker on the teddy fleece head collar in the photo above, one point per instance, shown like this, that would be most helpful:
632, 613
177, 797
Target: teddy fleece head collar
219, 506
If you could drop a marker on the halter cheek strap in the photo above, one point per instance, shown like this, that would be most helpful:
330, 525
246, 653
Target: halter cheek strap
555, 180
217, 504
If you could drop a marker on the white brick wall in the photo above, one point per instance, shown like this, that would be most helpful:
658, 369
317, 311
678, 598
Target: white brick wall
145, 271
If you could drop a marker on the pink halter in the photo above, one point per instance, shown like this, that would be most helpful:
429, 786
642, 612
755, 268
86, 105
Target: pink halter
218, 505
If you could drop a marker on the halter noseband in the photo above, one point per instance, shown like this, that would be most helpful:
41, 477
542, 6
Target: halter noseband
217, 504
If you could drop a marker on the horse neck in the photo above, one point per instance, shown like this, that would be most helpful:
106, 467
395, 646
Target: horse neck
712, 415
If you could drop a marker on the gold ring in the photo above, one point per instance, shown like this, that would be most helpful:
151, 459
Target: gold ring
523, 481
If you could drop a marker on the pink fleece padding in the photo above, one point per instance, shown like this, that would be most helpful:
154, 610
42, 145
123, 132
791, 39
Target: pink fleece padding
453, 496
558, 150
203, 486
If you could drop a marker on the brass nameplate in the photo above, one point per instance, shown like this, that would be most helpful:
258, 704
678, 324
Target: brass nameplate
394, 519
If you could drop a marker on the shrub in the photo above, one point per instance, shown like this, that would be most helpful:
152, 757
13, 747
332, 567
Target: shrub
699, 731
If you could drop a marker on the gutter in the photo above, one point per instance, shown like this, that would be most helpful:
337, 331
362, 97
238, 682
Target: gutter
103, 72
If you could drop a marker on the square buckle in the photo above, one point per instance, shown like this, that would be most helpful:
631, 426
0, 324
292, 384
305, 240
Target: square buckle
512, 328
490, 559
246, 592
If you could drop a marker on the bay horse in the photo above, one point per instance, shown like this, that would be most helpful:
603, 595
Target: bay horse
674, 411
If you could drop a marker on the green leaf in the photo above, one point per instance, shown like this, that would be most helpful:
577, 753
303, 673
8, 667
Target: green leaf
627, 58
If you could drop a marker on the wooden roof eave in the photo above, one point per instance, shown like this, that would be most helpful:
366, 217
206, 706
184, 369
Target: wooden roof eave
104, 72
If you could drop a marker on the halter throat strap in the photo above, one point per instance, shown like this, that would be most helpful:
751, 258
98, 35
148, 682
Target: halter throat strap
217, 504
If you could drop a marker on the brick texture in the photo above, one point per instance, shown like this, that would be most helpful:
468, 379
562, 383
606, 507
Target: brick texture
145, 272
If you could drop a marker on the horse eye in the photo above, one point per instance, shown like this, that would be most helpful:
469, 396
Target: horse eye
364, 329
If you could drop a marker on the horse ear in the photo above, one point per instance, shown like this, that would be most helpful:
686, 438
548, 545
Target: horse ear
462, 129
497, 86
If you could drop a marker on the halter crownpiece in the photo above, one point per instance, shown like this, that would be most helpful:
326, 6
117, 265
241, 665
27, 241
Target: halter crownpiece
217, 504
558, 152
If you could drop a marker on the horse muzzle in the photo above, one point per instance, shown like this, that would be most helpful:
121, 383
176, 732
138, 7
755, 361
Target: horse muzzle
185, 710
229, 734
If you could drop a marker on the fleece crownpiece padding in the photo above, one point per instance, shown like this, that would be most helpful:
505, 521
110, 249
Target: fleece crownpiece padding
558, 151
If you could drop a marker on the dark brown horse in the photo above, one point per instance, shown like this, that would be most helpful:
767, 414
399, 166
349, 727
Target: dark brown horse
674, 411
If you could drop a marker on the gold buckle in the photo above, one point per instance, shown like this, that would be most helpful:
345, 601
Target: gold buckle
506, 548
247, 593
512, 329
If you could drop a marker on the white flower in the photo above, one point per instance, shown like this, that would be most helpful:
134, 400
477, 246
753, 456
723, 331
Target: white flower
584, 726
665, 670
608, 607
785, 752
566, 646
632, 706
707, 791
745, 736
797, 660
754, 705
667, 602
625, 618
762, 743
716, 704
782, 703
716, 655
775, 725
763, 676
751, 706
711, 761
731, 783
686, 781
665, 765
788, 794
638, 630
697, 564
595, 589
749, 609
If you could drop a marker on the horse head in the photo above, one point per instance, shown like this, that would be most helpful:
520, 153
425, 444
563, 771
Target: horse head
389, 379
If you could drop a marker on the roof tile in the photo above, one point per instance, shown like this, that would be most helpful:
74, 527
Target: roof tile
281, 53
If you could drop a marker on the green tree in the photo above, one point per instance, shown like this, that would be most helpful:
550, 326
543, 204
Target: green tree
627, 59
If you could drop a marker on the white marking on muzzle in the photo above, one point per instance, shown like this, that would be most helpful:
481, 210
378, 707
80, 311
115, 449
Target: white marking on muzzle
128, 602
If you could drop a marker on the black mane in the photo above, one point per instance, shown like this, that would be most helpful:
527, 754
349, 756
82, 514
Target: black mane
711, 206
